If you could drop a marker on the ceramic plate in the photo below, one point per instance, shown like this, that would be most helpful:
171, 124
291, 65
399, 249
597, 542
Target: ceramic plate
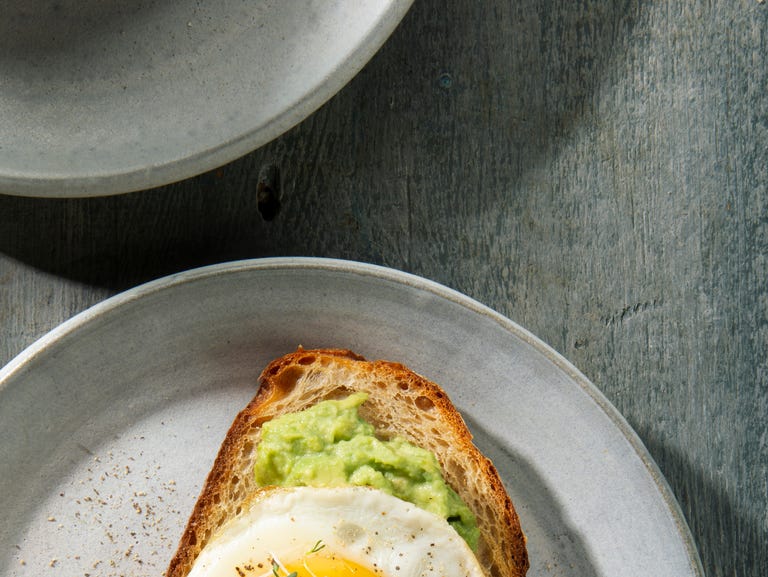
104, 96
109, 424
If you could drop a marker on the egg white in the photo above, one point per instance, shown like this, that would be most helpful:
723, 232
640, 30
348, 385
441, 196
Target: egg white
390, 536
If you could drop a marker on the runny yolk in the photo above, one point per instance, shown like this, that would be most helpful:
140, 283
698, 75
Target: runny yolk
328, 566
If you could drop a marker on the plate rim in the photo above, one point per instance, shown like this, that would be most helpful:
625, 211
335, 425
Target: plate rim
124, 298
174, 169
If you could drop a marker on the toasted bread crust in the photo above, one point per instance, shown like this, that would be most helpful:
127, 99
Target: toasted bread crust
400, 403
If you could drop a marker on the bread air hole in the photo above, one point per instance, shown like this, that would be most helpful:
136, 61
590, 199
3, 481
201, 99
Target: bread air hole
308, 360
234, 492
274, 370
340, 392
424, 403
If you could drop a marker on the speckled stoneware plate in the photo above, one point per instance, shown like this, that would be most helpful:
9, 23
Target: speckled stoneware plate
109, 424
103, 96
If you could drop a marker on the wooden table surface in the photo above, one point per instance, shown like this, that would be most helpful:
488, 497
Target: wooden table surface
597, 171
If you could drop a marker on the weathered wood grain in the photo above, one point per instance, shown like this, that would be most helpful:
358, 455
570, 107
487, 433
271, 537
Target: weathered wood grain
594, 170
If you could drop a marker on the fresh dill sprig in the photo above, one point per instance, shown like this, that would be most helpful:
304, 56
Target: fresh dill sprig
276, 571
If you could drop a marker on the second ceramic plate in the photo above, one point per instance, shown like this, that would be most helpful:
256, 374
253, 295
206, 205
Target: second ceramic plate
109, 424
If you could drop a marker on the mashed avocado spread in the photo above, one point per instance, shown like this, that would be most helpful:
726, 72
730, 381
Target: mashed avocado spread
330, 445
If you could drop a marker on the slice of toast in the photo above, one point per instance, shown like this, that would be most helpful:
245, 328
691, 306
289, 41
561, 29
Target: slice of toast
400, 403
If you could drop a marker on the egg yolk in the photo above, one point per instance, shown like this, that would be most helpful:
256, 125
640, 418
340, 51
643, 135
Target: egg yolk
328, 566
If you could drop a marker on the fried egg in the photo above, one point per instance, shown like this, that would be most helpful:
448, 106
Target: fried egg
335, 532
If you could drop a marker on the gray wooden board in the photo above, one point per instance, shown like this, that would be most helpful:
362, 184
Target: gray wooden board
594, 170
